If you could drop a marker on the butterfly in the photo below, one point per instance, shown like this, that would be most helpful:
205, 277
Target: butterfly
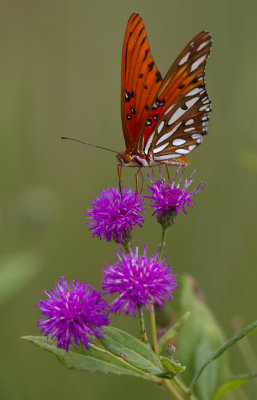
163, 119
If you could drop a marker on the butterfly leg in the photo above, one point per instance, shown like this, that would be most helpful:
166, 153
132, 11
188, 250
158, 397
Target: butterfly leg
119, 169
168, 172
143, 181
136, 176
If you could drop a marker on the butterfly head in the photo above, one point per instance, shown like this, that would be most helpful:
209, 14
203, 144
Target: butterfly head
124, 158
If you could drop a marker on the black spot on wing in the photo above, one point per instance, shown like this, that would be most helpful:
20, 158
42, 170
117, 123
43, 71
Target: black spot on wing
158, 76
146, 52
150, 66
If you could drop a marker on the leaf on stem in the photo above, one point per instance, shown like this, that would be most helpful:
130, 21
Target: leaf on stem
198, 338
174, 367
93, 360
244, 332
133, 350
232, 384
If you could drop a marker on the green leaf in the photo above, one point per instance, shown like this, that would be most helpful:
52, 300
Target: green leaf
173, 331
15, 272
198, 338
232, 384
172, 366
244, 332
93, 360
132, 350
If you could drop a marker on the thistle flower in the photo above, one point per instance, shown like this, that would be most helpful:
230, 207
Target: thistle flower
168, 198
139, 281
72, 314
114, 215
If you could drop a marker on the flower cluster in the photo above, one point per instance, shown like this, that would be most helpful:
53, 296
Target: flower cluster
114, 214
168, 198
73, 313
139, 280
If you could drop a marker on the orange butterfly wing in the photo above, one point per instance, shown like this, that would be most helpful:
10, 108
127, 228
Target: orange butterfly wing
185, 105
140, 81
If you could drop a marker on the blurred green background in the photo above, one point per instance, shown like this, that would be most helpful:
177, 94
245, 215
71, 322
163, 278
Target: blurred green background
60, 75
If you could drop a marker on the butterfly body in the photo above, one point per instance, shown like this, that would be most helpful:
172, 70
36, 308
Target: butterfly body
131, 158
163, 120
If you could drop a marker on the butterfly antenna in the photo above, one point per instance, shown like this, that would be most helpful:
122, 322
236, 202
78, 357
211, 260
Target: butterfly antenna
89, 144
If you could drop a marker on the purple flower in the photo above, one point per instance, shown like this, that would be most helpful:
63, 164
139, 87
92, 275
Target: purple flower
114, 215
168, 198
139, 281
72, 314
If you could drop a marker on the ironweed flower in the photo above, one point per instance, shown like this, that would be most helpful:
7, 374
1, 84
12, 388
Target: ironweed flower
114, 215
168, 198
72, 314
139, 281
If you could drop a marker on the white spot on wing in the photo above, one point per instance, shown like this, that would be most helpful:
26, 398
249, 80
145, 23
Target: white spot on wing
148, 144
178, 142
160, 148
182, 151
196, 136
202, 45
184, 59
190, 121
189, 129
161, 126
204, 108
168, 134
193, 92
142, 161
196, 64
166, 157
177, 114
191, 147
191, 102
166, 112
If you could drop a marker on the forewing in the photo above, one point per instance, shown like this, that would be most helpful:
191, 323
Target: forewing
140, 80
186, 105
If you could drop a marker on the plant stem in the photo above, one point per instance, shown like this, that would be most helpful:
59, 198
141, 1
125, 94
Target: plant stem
164, 230
168, 384
152, 314
126, 247
187, 392
154, 333
171, 389
142, 328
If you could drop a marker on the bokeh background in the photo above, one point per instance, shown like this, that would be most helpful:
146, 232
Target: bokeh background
60, 75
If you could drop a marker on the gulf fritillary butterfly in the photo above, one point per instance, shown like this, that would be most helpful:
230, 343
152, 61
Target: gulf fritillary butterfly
163, 120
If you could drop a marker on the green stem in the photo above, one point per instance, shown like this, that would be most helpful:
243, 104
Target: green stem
126, 246
152, 313
142, 328
164, 230
153, 326
168, 384
173, 390
187, 392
